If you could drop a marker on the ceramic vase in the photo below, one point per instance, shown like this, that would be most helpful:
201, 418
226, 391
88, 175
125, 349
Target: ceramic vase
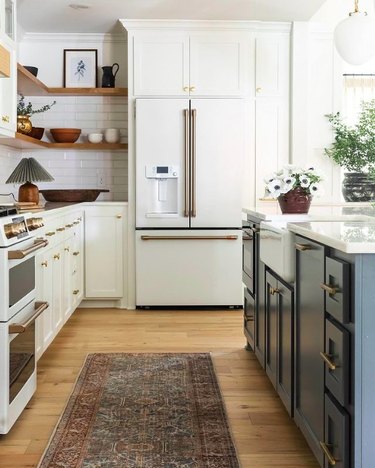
24, 124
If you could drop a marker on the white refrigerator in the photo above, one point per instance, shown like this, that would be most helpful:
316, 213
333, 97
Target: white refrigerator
189, 159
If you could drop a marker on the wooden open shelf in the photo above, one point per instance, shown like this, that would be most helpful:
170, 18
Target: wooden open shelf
28, 85
26, 142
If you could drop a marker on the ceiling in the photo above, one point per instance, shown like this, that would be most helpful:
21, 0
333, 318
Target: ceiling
102, 16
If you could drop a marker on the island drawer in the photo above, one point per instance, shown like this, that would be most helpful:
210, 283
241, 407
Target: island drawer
337, 289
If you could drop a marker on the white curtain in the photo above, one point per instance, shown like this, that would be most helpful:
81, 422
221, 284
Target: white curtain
357, 89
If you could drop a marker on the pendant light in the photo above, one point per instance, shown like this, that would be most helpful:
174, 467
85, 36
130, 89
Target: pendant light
355, 37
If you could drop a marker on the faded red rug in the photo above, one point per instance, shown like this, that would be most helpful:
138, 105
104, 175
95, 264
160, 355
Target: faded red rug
143, 411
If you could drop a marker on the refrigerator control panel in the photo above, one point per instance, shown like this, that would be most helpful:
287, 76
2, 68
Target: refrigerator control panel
162, 172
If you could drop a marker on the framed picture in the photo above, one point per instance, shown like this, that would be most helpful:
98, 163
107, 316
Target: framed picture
80, 68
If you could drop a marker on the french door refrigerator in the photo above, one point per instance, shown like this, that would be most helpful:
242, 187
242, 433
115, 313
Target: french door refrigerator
189, 156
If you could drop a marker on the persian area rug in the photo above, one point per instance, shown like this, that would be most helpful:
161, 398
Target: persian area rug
143, 411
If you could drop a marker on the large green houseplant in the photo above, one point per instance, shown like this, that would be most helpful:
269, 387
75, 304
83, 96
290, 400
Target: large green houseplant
354, 150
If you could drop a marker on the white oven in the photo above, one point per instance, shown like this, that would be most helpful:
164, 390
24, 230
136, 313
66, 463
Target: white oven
18, 312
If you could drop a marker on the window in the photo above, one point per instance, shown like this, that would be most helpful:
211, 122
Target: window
357, 88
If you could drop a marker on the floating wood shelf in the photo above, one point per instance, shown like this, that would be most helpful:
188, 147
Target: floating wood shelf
26, 142
29, 85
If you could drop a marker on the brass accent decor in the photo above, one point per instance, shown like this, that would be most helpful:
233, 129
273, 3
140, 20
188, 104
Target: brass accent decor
27, 171
24, 124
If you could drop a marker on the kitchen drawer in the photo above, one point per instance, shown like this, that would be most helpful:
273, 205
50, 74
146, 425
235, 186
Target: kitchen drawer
249, 258
337, 435
337, 287
249, 316
337, 361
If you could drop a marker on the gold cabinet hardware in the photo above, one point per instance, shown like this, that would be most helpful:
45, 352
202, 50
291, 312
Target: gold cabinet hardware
68, 225
329, 289
274, 291
186, 89
330, 458
303, 247
75, 253
50, 233
60, 229
67, 249
258, 90
76, 291
56, 257
21, 327
192, 89
250, 318
328, 360
5, 118
118, 216
45, 264
75, 223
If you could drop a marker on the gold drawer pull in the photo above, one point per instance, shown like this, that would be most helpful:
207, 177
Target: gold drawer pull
75, 253
328, 360
274, 291
329, 289
118, 216
56, 256
68, 225
192, 89
50, 233
76, 291
39, 307
45, 263
67, 249
5, 118
250, 318
303, 247
76, 222
328, 454
60, 229
186, 89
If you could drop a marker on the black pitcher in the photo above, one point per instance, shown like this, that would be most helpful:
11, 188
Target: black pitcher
108, 80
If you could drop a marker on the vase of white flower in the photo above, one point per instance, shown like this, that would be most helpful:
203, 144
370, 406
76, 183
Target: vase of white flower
294, 188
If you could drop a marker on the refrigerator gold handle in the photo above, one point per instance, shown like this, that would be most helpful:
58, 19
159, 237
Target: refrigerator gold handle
186, 210
194, 163
230, 237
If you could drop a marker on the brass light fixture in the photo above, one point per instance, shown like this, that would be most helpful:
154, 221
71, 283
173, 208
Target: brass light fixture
27, 171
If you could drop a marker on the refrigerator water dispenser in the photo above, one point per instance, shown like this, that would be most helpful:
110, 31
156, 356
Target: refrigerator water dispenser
162, 190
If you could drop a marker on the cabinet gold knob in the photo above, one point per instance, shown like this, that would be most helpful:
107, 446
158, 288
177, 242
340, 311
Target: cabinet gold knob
186, 89
50, 233
119, 216
56, 256
5, 118
45, 263
274, 291
75, 253
258, 90
68, 225
76, 222
192, 89
76, 291
60, 229
328, 360
67, 249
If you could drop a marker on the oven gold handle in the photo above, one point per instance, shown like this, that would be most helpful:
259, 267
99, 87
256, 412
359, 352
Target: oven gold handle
18, 254
146, 238
21, 327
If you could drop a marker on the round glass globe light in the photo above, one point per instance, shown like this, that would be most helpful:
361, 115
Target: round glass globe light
355, 38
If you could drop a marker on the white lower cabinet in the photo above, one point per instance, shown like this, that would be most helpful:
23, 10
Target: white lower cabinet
104, 252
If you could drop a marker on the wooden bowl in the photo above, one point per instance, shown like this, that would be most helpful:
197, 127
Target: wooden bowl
65, 135
72, 195
36, 132
32, 70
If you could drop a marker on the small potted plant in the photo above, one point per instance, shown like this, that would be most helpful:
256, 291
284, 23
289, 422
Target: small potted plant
354, 150
294, 188
24, 112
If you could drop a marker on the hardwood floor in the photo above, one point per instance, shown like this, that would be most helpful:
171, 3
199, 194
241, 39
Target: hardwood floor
263, 432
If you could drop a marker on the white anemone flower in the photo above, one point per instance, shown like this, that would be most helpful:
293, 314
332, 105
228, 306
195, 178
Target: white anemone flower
269, 178
289, 182
316, 189
305, 181
275, 188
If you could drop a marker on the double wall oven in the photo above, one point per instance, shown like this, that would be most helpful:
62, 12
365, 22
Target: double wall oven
18, 312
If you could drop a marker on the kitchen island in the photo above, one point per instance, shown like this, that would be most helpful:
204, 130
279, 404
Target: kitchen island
317, 332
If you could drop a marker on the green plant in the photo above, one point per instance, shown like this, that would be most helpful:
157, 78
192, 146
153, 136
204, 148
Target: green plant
23, 109
354, 147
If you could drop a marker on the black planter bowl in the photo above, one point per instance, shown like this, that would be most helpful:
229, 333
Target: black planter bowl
358, 187
32, 70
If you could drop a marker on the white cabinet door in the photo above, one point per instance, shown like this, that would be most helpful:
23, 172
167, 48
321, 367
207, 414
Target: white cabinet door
191, 270
217, 64
219, 161
8, 97
67, 266
77, 267
57, 286
160, 141
44, 293
161, 63
104, 247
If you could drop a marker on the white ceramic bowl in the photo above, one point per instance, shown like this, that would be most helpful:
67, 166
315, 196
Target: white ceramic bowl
95, 137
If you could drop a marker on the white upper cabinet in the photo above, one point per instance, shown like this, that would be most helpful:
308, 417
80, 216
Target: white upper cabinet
195, 64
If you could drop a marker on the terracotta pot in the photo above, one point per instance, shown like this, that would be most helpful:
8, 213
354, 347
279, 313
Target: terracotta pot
24, 124
296, 201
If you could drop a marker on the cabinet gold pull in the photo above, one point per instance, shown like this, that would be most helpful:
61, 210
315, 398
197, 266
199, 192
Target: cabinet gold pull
76, 291
45, 263
274, 291
50, 233
60, 229
192, 89
68, 225
75, 223
250, 318
75, 253
303, 247
329, 289
186, 88
67, 249
328, 360
327, 453
56, 256
5, 118
118, 216
258, 90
